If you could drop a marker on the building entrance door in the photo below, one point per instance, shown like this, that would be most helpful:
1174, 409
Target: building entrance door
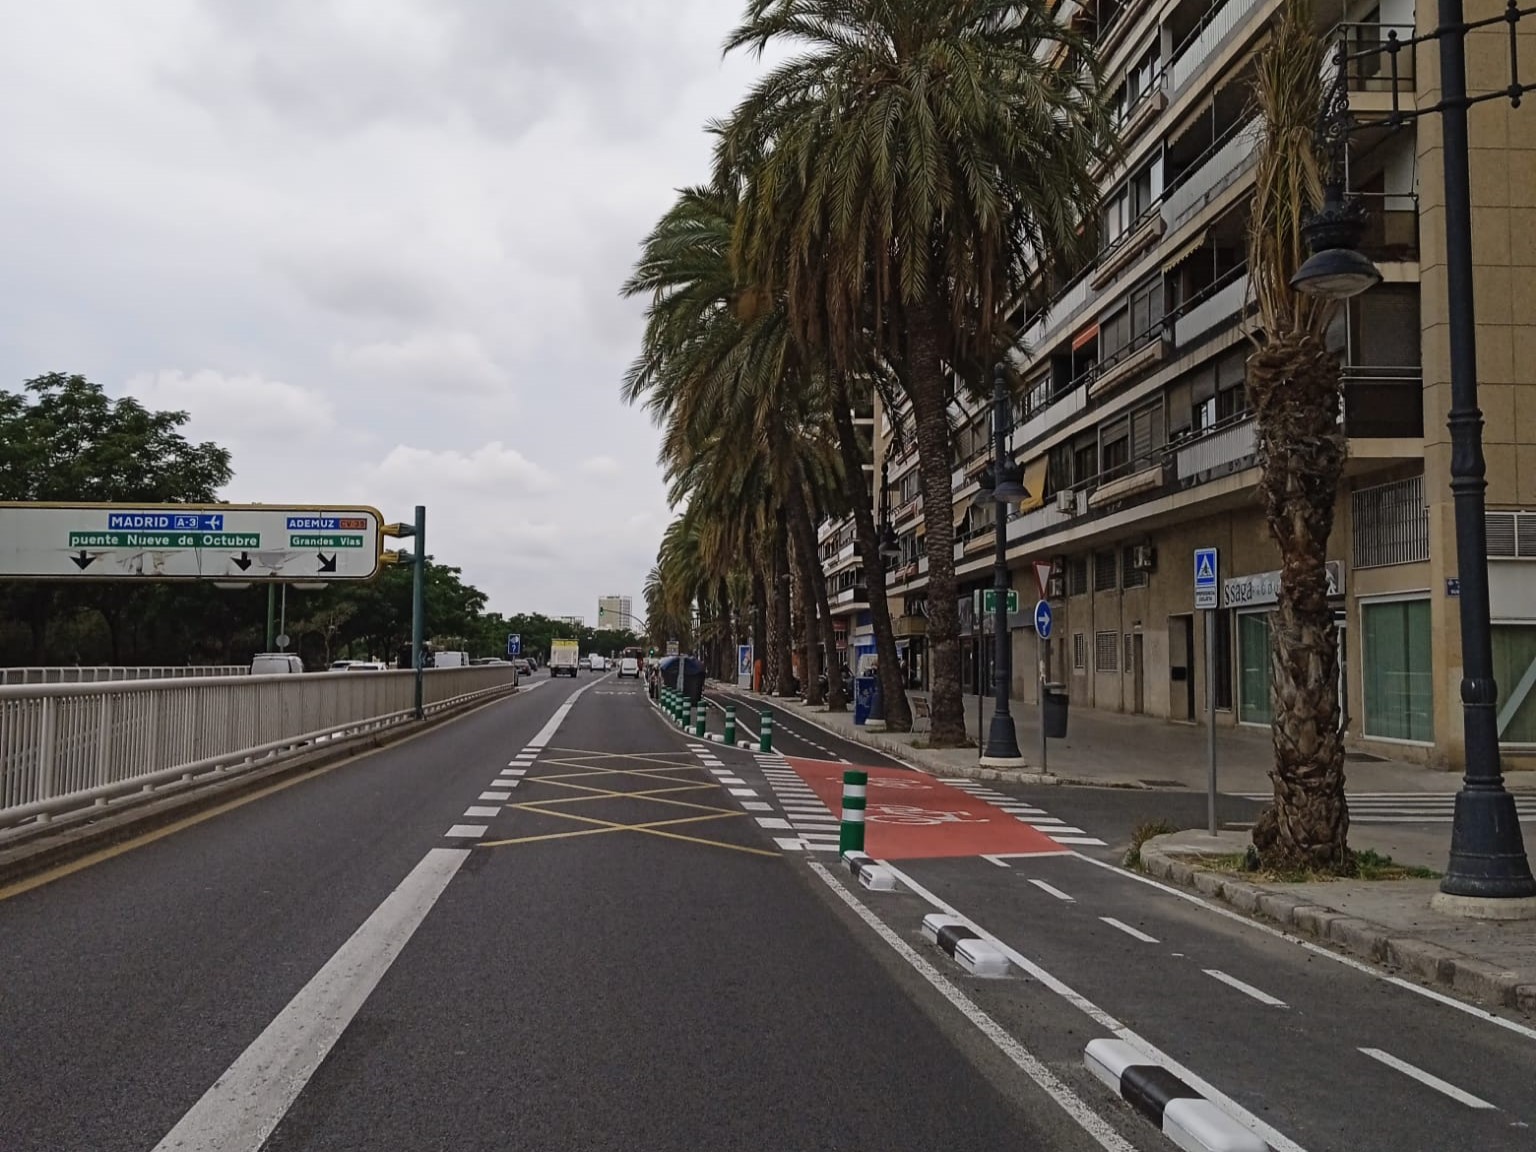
1181, 667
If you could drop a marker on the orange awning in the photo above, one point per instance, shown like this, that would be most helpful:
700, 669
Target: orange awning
1089, 333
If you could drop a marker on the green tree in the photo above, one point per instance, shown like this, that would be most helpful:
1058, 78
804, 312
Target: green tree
911, 166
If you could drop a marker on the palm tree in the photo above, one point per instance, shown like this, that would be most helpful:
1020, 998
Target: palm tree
910, 167
1293, 384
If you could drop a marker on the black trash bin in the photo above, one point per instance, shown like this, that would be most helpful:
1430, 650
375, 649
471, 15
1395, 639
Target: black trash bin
1056, 711
689, 671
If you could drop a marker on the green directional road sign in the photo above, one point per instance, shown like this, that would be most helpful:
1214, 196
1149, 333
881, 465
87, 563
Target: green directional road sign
989, 601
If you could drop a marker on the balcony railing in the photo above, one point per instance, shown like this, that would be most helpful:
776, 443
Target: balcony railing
1223, 301
1208, 177
1368, 64
1391, 226
1226, 444
1383, 403
1219, 23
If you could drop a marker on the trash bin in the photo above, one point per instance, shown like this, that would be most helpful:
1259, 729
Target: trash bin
1056, 711
863, 698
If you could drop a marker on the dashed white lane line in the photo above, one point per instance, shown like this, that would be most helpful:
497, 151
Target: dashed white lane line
743, 793
467, 831
1246, 989
1423, 1077
731, 780
249, 1100
1052, 890
481, 812
495, 795
757, 806
514, 771
774, 822
511, 782
998, 860
1134, 933
1089, 1120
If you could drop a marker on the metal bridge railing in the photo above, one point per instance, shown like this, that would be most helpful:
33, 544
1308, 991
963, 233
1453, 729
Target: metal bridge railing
69, 746
96, 674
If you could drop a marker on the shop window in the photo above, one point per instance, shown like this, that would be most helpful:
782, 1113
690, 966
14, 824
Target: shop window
1514, 667
1253, 658
1399, 674
1106, 651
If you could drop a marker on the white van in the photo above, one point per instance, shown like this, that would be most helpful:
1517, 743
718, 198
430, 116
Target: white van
599, 663
276, 664
451, 660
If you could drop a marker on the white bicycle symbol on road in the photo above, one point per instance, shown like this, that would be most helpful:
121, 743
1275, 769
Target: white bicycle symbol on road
910, 815
896, 784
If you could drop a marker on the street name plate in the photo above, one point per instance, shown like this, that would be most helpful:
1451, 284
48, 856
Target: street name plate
233, 542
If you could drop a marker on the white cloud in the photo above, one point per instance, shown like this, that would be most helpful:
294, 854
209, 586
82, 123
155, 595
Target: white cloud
430, 362
237, 408
604, 467
493, 468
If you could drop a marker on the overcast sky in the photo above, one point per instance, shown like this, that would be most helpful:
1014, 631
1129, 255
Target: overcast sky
372, 246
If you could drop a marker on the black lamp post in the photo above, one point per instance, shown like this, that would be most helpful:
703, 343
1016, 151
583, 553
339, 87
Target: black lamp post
1488, 860
1002, 744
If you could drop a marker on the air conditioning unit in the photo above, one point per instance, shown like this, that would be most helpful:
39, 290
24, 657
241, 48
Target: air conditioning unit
1143, 557
1055, 588
1066, 501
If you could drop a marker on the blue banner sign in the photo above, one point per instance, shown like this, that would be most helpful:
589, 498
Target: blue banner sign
165, 521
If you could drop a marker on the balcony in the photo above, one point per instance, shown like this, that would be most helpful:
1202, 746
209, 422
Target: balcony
849, 598
1228, 447
1220, 23
1383, 403
1144, 352
1224, 301
1369, 66
1391, 233
1206, 179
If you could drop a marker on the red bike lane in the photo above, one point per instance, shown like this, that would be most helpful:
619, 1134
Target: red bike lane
909, 816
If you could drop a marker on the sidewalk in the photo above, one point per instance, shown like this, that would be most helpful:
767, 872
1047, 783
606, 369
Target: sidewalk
1387, 922
1114, 750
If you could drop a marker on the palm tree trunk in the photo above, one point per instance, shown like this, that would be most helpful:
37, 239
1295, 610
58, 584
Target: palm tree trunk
783, 665
805, 597
898, 716
927, 386
760, 645
800, 516
1294, 385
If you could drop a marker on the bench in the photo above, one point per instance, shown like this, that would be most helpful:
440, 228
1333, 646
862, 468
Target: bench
921, 717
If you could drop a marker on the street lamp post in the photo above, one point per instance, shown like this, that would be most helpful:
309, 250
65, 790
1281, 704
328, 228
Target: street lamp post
1488, 873
1002, 745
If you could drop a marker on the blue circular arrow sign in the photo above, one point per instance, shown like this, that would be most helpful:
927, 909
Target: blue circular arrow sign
1043, 619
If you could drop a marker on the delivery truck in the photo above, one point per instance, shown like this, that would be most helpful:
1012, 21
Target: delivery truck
564, 657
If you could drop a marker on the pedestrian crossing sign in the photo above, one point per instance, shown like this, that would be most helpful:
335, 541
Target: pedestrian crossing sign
1207, 566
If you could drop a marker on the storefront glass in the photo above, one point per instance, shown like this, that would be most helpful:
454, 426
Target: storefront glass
1514, 668
1253, 668
1398, 673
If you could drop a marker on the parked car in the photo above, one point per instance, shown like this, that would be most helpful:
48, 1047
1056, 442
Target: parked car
524, 667
450, 660
367, 666
489, 661
342, 665
276, 664
629, 666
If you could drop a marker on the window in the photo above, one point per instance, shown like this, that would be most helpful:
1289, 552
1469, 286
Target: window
1391, 524
1085, 459
1134, 576
1079, 651
1399, 673
1105, 574
1253, 651
1115, 453
1130, 652
1223, 659
1106, 651
1077, 576
1147, 432
1514, 668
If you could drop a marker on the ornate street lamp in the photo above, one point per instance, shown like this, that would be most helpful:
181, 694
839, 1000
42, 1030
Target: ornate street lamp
1000, 484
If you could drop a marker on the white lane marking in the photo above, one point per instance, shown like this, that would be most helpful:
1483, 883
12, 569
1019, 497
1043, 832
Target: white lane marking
1424, 1077
1135, 933
1089, 1120
1052, 890
467, 831
511, 783
495, 795
774, 822
1086, 841
998, 860
1245, 989
247, 1102
746, 793
757, 806
547, 733
1277, 1139
732, 779
480, 812
509, 771
1317, 949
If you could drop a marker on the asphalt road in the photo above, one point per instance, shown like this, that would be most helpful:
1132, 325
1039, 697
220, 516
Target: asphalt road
468, 941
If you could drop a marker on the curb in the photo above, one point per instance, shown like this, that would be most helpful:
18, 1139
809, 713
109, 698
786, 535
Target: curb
91, 832
868, 873
963, 945
914, 756
1183, 1115
1365, 939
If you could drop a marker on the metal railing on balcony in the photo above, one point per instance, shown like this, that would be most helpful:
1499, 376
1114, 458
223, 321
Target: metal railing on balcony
1368, 65
1216, 170
1391, 226
72, 746
1224, 301
1224, 445
1219, 23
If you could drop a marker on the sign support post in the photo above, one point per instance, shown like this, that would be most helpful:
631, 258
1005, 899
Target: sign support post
1208, 599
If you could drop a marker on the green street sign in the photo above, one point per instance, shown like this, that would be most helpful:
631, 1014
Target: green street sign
325, 541
989, 601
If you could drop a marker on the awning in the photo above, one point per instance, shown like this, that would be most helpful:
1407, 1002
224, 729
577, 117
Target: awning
1189, 120
1185, 251
961, 508
1034, 484
1089, 333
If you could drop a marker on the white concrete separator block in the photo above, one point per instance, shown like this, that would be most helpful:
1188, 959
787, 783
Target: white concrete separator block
934, 922
877, 879
980, 958
1200, 1126
1106, 1059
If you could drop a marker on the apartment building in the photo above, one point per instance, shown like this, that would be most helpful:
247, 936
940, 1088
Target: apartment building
1135, 422
615, 612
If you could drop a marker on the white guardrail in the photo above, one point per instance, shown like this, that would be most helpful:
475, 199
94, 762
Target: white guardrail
68, 746
89, 674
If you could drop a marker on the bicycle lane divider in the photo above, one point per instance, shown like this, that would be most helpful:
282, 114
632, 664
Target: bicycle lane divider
910, 816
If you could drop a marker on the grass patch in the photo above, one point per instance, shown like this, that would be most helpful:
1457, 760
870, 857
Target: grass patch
1367, 865
1141, 834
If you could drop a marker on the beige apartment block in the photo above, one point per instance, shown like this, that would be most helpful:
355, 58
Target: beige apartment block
1134, 430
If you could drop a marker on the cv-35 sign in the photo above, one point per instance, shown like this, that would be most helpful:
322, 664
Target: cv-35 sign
236, 542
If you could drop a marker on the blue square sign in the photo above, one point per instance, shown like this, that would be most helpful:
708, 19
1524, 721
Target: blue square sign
1207, 578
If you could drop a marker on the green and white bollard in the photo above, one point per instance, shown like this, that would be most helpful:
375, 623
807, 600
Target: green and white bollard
698, 724
765, 732
730, 725
850, 833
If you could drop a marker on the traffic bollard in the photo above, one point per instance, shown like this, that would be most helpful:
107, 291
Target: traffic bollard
730, 725
698, 725
765, 732
850, 833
